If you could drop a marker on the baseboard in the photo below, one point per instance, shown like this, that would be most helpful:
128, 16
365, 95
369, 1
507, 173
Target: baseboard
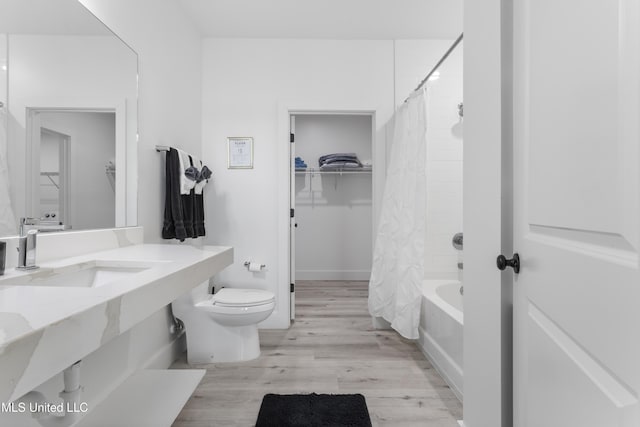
333, 274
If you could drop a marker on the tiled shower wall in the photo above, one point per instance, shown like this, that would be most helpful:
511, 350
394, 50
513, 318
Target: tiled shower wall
444, 169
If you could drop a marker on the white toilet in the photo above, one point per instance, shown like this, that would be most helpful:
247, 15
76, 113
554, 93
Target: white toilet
223, 327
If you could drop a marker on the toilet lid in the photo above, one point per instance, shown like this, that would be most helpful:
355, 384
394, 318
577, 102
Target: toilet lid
228, 297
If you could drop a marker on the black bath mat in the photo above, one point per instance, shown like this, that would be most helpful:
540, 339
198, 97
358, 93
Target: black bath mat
313, 410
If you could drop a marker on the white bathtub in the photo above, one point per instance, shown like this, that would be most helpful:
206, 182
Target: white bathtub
440, 332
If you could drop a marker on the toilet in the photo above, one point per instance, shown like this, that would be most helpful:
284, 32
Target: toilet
223, 327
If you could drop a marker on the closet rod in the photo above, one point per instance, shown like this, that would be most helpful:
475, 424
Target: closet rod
445, 56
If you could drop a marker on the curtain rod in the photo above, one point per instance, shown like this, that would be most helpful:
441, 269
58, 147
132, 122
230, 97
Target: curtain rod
445, 56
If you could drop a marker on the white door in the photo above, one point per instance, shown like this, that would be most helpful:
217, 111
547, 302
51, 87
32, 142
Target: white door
292, 220
576, 215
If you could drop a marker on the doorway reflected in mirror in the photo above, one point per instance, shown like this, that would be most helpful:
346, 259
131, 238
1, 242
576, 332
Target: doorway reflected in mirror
74, 186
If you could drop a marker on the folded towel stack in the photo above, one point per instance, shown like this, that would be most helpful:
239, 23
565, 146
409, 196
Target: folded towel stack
300, 164
339, 161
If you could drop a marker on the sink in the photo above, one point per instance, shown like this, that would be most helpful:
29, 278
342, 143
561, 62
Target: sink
91, 274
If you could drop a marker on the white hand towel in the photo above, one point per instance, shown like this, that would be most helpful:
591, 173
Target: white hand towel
200, 185
186, 185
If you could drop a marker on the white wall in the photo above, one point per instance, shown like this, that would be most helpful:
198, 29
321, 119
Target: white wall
246, 84
63, 71
333, 212
92, 145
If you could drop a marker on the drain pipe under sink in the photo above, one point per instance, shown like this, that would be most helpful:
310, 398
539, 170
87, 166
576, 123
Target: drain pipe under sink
63, 414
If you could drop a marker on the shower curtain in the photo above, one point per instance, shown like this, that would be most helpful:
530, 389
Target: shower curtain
398, 257
7, 217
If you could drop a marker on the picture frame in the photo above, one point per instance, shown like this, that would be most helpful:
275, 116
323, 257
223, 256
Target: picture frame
239, 152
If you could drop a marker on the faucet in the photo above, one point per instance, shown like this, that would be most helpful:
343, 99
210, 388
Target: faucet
27, 244
456, 241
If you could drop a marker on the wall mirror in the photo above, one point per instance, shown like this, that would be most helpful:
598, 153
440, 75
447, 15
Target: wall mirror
68, 119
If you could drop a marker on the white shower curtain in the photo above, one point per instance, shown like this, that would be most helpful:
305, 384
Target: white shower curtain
7, 217
398, 257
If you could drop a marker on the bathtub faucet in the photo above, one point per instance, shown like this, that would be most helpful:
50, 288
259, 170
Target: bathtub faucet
456, 241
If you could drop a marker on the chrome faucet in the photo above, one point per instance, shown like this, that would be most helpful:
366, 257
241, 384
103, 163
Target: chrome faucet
27, 244
456, 241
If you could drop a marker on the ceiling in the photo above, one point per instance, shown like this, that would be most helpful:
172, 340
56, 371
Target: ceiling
67, 17
326, 19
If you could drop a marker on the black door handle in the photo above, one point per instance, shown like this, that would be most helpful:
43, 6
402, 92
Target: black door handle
502, 262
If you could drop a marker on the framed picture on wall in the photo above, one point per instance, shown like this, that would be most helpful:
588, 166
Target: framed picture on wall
240, 152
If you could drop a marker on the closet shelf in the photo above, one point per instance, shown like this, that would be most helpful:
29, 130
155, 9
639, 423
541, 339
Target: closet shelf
346, 171
49, 175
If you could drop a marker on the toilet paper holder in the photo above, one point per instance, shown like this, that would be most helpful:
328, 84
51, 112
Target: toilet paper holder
247, 263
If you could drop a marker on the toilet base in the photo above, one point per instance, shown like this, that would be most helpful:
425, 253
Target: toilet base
217, 344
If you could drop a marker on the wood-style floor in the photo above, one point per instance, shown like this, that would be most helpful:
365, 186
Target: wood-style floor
331, 348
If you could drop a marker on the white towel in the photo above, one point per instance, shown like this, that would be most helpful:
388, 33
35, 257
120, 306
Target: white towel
200, 185
186, 185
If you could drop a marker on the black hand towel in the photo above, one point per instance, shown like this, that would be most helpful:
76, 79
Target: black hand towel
173, 227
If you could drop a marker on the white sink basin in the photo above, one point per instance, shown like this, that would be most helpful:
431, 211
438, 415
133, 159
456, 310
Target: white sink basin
91, 274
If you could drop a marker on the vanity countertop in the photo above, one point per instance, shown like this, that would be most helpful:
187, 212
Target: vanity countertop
44, 329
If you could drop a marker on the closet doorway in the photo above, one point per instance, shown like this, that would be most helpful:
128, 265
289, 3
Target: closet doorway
331, 235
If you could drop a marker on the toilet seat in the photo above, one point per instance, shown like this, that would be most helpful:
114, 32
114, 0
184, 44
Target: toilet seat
228, 297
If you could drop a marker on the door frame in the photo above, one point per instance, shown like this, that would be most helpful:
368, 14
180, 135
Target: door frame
487, 213
285, 111
292, 231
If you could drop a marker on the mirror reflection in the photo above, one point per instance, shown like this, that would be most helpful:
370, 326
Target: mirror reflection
68, 119
76, 185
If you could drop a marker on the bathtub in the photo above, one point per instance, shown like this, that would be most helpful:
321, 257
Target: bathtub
440, 331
